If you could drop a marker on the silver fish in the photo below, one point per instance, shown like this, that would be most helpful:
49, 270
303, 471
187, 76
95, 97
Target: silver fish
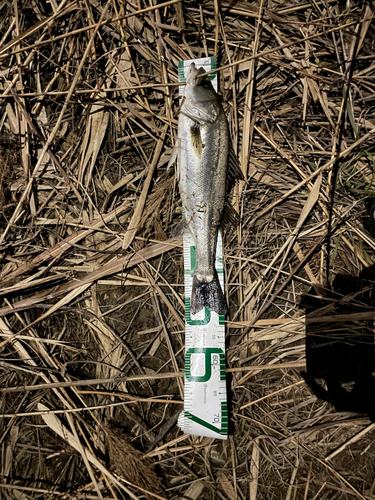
203, 148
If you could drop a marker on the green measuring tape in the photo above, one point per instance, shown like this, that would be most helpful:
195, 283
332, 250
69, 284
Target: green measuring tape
205, 394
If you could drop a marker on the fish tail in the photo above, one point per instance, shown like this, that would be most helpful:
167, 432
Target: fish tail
209, 294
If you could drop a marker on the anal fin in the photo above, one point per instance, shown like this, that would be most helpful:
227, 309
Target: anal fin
179, 229
234, 172
230, 217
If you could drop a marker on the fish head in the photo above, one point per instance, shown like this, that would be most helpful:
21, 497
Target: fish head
194, 77
198, 86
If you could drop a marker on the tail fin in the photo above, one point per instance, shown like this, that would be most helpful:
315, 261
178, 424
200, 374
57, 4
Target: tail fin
207, 294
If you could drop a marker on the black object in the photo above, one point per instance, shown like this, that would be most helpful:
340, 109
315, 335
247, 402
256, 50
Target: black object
369, 218
340, 356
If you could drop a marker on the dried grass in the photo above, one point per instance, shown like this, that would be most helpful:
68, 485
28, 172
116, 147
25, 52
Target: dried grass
92, 312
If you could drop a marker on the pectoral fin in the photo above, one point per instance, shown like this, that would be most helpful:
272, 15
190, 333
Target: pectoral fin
196, 140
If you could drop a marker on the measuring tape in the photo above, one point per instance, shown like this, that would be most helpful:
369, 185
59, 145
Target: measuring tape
205, 394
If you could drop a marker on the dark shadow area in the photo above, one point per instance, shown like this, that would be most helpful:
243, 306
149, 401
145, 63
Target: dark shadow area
340, 356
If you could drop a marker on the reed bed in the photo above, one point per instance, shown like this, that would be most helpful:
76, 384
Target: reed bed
92, 296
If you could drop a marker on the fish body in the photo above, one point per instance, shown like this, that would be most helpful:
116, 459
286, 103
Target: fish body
203, 148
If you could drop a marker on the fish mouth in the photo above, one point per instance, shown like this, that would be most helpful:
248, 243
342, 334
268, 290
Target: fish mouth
194, 75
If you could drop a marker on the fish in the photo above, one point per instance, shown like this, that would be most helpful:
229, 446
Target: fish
203, 148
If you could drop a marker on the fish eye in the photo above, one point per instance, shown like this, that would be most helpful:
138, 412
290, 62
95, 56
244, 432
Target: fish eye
206, 82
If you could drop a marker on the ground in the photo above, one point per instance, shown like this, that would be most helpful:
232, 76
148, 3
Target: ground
92, 313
